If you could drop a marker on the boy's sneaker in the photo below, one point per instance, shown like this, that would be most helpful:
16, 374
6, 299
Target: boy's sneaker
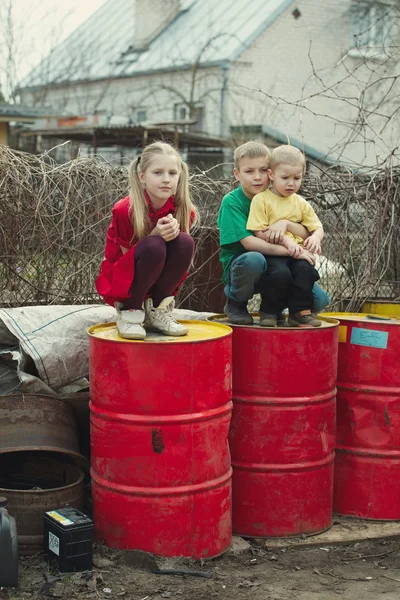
130, 323
268, 320
237, 313
298, 320
161, 318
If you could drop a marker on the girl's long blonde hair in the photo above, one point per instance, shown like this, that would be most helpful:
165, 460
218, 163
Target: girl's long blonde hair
138, 206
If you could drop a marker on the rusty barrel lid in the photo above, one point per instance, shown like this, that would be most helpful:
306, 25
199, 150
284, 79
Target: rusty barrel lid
39, 423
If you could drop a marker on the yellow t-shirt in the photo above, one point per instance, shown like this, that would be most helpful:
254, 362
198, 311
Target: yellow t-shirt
266, 209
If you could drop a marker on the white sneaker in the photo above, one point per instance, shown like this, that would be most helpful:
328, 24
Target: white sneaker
161, 318
130, 323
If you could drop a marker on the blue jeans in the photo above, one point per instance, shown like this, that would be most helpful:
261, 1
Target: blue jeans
245, 278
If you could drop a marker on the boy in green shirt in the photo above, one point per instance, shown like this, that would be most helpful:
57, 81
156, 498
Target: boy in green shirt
243, 255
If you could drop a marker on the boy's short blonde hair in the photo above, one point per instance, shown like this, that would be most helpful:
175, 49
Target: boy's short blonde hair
251, 150
288, 155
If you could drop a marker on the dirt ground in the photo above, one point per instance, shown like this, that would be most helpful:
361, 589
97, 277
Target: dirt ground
362, 571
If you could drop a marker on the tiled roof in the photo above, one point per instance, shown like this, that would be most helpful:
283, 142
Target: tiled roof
216, 30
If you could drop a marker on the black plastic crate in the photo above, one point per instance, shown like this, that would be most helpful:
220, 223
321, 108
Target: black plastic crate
68, 537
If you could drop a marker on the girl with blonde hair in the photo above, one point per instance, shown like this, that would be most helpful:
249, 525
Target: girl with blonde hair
148, 246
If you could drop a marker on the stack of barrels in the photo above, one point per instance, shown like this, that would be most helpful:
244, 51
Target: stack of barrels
160, 424
175, 469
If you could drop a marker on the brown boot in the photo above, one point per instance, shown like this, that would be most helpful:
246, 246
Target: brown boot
268, 320
298, 320
237, 313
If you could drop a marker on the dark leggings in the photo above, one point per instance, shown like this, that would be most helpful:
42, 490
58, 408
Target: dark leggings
159, 268
288, 282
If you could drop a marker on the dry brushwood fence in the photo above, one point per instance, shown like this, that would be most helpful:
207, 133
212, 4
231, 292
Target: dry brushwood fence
54, 219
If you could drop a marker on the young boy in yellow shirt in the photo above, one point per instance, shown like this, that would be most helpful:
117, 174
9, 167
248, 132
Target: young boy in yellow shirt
244, 257
290, 279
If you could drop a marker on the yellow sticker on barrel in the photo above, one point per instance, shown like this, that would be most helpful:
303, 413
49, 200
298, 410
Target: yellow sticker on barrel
342, 333
60, 518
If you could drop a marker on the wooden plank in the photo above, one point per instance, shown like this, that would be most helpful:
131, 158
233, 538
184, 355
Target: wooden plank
345, 530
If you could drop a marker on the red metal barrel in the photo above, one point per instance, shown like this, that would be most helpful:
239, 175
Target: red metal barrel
282, 434
367, 465
160, 414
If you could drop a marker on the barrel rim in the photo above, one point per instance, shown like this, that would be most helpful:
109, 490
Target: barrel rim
189, 489
171, 341
373, 318
383, 301
81, 463
79, 473
330, 321
165, 419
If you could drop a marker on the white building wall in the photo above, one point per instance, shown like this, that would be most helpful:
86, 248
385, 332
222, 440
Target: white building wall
157, 94
299, 78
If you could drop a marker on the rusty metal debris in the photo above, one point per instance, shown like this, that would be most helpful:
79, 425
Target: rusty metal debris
33, 483
33, 422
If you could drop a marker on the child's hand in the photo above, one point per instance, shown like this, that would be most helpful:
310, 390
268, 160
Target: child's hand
294, 250
274, 233
167, 228
313, 244
306, 255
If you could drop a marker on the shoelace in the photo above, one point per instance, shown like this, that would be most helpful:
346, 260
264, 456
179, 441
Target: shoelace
165, 317
164, 314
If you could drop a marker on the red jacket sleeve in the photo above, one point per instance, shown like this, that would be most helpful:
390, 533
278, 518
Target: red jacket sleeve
117, 269
120, 231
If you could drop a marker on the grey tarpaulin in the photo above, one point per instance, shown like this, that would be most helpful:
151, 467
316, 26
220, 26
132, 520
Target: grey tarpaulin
45, 349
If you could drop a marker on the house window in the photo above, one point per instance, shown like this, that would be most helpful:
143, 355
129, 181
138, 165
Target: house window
141, 115
371, 24
199, 116
181, 112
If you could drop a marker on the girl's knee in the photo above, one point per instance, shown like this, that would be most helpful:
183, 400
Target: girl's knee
182, 243
185, 239
153, 246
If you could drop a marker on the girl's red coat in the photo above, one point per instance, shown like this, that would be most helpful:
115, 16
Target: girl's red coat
117, 269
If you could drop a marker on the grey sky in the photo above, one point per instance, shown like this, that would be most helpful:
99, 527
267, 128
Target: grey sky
38, 25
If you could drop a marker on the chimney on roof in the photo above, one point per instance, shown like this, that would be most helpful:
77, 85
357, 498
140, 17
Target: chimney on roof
151, 16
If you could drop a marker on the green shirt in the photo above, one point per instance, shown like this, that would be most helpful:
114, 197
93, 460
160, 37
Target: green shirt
232, 220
